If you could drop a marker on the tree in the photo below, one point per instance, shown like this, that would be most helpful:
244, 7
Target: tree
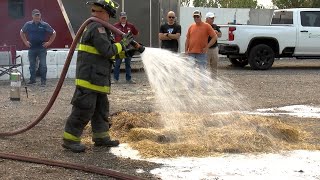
284, 4
200, 3
237, 3
185, 3
226, 3
212, 3
316, 4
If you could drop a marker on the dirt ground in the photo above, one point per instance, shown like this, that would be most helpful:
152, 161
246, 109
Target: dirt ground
289, 82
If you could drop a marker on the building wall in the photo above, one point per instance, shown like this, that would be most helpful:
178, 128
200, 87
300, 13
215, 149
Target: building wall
146, 15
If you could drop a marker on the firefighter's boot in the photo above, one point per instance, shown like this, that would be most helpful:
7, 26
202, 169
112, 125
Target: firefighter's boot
73, 146
107, 142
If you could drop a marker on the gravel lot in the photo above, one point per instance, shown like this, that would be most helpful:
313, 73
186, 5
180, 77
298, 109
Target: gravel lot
289, 82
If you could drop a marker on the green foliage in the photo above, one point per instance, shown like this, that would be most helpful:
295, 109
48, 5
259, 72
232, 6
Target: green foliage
316, 4
200, 3
185, 3
283, 4
237, 3
212, 3
226, 3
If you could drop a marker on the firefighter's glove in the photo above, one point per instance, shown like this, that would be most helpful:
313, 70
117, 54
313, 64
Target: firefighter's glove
126, 40
130, 52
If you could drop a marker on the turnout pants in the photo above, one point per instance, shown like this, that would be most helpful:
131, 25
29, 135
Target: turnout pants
87, 105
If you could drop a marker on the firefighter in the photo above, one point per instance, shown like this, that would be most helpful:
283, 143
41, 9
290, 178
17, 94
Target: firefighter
96, 53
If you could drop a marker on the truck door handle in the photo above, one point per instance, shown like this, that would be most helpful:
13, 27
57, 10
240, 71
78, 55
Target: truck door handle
304, 31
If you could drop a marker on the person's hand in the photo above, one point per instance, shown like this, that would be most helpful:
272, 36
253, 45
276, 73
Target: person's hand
130, 52
126, 39
46, 44
218, 33
205, 50
28, 44
167, 35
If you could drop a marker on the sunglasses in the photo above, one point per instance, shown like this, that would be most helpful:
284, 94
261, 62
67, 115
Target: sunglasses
171, 17
92, 10
196, 16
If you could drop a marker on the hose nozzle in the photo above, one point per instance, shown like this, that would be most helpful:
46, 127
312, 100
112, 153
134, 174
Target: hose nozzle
138, 46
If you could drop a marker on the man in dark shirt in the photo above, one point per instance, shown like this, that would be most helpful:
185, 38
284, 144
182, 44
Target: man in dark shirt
34, 35
213, 51
170, 33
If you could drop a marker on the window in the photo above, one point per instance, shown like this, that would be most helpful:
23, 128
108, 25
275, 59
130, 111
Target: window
282, 17
16, 8
310, 18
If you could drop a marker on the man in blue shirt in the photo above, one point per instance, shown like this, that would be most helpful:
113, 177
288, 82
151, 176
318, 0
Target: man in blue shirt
34, 35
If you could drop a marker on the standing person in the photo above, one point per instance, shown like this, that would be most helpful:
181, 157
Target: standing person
33, 35
170, 33
93, 78
124, 26
213, 51
197, 44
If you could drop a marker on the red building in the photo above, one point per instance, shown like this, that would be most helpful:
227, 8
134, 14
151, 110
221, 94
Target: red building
14, 13
66, 16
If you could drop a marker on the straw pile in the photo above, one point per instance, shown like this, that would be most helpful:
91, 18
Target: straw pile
206, 135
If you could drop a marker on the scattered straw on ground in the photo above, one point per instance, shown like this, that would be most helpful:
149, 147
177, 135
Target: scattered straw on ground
206, 135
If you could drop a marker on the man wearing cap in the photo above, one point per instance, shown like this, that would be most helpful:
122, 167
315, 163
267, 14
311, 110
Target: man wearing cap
213, 51
96, 53
170, 33
124, 26
34, 35
197, 44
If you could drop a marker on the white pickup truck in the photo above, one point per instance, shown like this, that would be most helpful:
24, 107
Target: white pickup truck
291, 33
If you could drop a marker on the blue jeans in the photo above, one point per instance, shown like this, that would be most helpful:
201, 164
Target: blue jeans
116, 70
201, 64
201, 60
42, 55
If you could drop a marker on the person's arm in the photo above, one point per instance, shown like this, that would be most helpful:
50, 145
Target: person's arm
213, 40
218, 31
162, 34
174, 36
50, 30
177, 34
186, 46
134, 31
23, 35
102, 42
24, 39
213, 36
52, 37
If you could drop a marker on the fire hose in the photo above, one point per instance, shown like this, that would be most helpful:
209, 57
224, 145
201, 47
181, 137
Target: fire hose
54, 96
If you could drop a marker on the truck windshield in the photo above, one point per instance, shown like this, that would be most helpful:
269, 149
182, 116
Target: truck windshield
282, 17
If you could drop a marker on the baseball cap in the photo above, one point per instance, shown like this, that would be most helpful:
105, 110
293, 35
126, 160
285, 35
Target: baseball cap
123, 14
196, 13
209, 15
35, 12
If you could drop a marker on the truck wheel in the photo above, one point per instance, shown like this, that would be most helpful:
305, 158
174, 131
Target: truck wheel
239, 62
261, 57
